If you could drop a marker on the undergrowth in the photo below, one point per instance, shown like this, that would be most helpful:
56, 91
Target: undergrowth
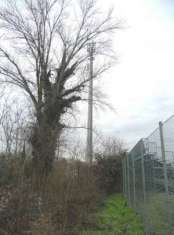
116, 218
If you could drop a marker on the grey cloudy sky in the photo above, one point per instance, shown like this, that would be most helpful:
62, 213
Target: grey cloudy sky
141, 85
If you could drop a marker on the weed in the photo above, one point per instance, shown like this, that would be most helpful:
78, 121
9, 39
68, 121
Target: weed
116, 218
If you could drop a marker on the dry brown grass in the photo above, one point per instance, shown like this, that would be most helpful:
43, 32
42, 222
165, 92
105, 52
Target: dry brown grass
61, 205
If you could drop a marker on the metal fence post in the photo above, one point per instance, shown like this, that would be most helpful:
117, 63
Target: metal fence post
145, 213
143, 171
134, 186
164, 158
128, 177
123, 177
166, 183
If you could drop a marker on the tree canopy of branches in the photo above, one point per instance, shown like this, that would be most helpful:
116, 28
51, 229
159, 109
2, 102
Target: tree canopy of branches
43, 52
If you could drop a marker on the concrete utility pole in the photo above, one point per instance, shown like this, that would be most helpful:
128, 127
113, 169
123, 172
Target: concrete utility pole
89, 149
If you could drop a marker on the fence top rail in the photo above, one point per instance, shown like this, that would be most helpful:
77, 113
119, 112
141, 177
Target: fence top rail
154, 137
168, 119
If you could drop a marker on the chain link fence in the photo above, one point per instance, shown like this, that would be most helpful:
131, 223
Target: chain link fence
148, 179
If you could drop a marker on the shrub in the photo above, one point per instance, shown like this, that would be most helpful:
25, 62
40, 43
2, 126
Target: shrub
108, 171
19, 209
68, 199
13, 169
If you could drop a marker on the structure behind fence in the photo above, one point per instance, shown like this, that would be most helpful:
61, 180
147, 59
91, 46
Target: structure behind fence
148, 179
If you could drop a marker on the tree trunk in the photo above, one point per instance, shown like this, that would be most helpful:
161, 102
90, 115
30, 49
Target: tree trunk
44, 143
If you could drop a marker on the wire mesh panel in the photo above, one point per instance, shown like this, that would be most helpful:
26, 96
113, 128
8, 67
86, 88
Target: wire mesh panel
149, 179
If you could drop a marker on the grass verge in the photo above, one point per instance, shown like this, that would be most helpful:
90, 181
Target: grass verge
116, 218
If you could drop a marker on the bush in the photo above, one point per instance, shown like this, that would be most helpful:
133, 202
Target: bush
9, 170
108, 171
65, 202
13, 169
70, 196
20, 208
62, 205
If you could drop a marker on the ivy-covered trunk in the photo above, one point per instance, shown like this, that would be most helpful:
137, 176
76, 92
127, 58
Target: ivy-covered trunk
44, 139
44, 143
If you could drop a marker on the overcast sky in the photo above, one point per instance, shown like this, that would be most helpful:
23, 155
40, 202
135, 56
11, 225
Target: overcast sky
141, 85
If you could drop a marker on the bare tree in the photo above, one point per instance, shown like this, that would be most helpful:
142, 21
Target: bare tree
44, 53
13, 127
109, 145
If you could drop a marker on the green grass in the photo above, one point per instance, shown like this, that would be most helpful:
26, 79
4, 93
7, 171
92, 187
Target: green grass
160, 213
116, 218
